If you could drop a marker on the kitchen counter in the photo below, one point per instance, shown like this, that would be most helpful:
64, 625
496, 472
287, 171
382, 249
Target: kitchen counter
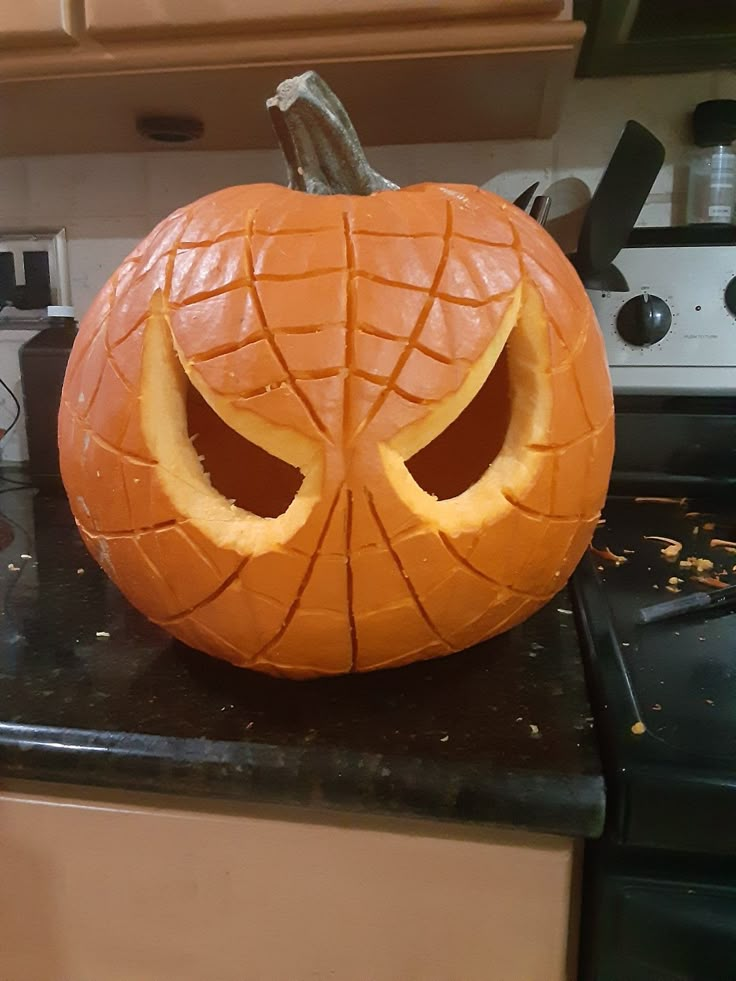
92, 694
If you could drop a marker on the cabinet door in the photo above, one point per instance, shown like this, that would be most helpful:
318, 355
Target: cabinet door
32, 22
111, 18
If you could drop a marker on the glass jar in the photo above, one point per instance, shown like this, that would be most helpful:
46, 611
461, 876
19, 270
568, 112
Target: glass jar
711, 191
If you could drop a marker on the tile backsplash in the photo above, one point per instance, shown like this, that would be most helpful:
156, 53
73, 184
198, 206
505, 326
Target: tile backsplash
108, 202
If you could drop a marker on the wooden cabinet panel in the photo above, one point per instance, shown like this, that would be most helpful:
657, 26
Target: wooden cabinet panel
31, 22
409, 71
449, 98
118, 892
165, 18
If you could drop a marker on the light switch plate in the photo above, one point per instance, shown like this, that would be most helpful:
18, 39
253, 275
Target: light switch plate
19, 326
53, 243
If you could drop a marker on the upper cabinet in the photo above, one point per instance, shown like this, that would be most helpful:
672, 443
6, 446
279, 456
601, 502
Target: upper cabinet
36, 22
408, 70
169, 18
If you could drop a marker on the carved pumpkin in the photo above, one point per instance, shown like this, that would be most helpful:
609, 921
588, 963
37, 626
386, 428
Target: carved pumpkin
321, 433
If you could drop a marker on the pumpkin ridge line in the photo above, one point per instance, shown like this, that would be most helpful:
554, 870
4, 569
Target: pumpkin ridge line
221, 349
561, 519
554, 447
272, 343
290, 277
421, 320
482, 575
319, 374
82, 416
583, 400
374, 233
238, 401
154, 568
472, 271
373, 331
81, 341
242, 282
116, 367
402, 571
436, 356
409, 397
349, 581
386, 281
572, 352
219, 640
349, 356
225, 584
369, 376
106, 445
279, 232
234, 233
128, 532
466, 301
196, 547
291, 612
126, 489
307, 328
124, 337
476, 240
78, 358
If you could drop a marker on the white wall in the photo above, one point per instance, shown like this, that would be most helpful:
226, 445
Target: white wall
109, 202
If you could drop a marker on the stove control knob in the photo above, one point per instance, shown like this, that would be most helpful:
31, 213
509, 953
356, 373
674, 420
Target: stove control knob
730, 296
644, 320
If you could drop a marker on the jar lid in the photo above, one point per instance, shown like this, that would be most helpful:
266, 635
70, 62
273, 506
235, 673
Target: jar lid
65, 313
714, 122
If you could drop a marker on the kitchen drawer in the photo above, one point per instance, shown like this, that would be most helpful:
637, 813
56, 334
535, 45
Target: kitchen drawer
167, 18
119, 891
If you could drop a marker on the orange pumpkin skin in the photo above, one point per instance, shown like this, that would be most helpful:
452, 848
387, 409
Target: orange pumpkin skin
338, 323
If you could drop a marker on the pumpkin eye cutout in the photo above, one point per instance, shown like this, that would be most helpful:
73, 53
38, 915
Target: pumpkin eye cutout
456, 458
241, 471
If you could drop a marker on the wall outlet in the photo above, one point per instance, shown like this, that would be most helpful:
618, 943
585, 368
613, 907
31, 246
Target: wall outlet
34, 271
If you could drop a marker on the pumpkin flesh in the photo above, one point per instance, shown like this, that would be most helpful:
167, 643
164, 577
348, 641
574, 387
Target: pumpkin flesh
342, 336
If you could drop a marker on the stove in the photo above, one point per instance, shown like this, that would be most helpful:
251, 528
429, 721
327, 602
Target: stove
660, 886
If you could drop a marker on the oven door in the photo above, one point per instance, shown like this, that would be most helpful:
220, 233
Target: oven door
657, 917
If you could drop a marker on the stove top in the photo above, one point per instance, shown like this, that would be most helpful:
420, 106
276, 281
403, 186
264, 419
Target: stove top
665, 693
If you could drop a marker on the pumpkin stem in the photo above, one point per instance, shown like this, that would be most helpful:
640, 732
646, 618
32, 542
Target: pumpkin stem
321, 148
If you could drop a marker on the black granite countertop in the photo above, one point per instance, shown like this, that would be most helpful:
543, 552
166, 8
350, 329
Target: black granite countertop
499, 734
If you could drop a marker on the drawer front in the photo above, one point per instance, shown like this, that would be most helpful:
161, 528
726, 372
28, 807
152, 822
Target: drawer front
110, 18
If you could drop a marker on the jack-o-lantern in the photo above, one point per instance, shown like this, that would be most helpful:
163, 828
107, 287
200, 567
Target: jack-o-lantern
315, 433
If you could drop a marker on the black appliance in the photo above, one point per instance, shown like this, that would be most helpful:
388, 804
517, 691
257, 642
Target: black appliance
43, 361
660, 886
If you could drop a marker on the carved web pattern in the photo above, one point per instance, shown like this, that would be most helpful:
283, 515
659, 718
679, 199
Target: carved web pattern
347, 322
